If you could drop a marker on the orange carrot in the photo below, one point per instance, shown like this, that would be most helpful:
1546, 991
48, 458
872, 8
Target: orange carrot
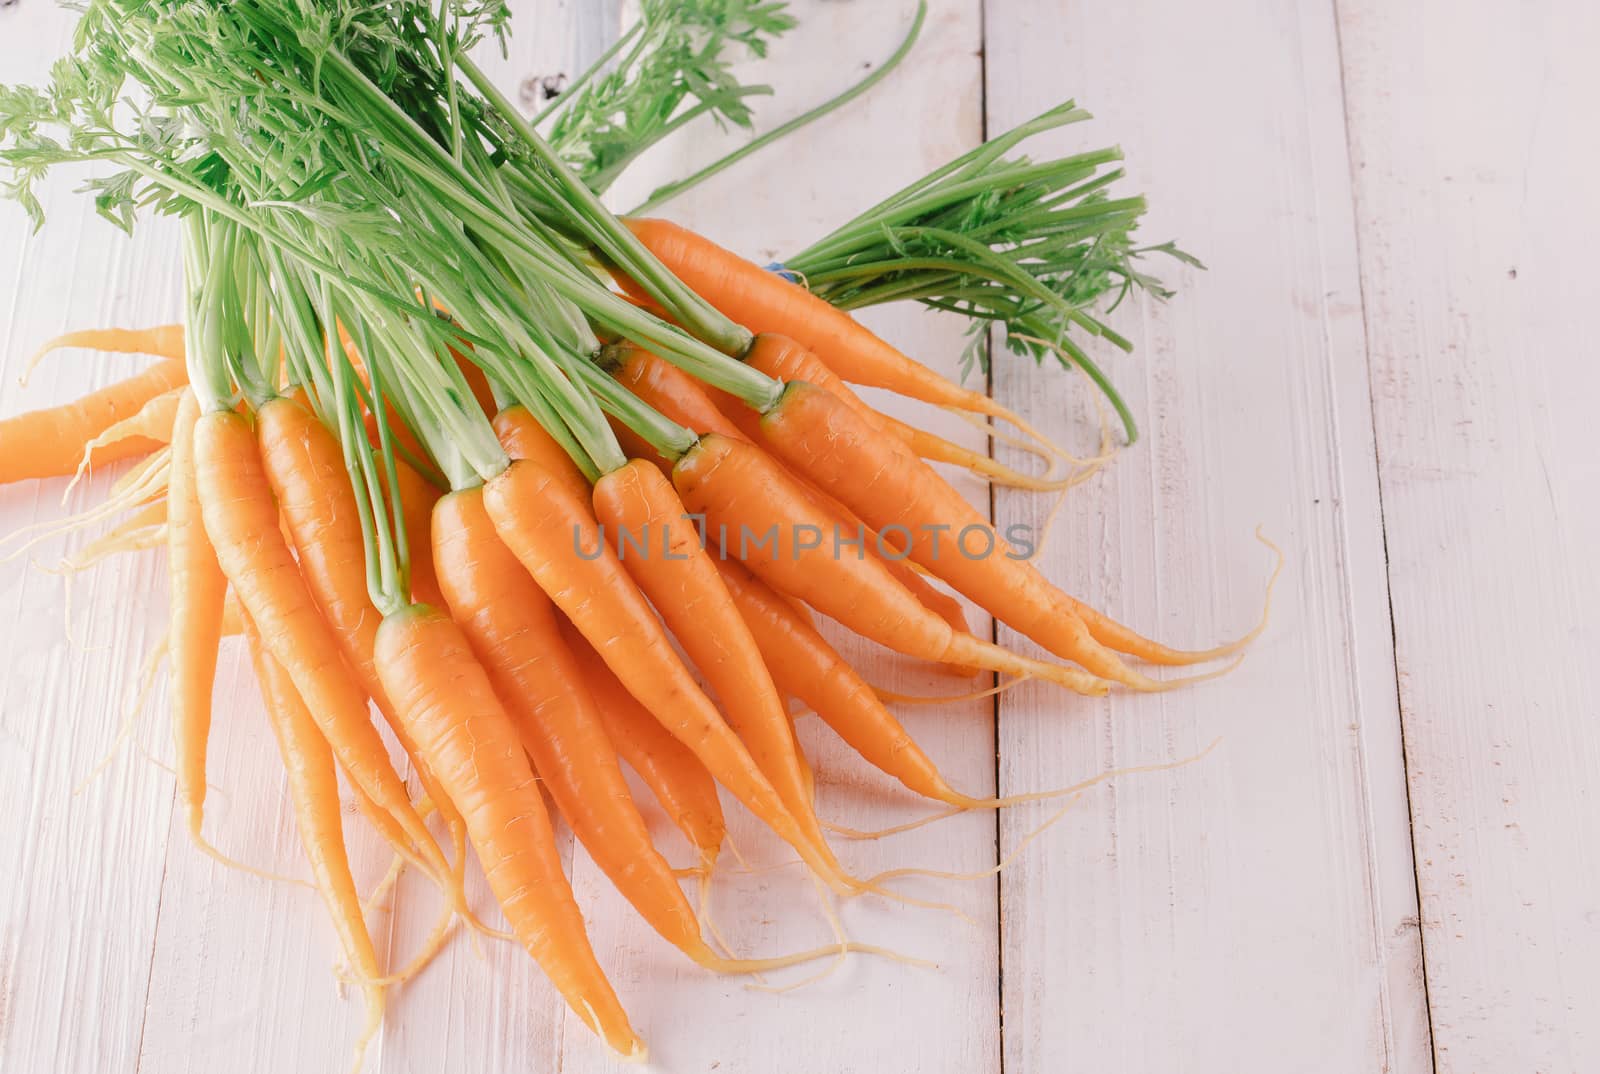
783, 359
764, 301
314, 791
672, 772
763, 515
447, 703
152, 424
163, 341
198, 589
678, 577
50, 443
736, 411
557, 540
805, 666
523, 437
673, 392
686, 401
241, 518
306, 468
511, 626
885, 481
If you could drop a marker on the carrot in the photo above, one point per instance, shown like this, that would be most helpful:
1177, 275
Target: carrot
241, 518
151, 425
748, 498
736, 411
764, 301
891, 487
445, 699
1114, 635
805, 666
511, 627
557, 540
50, 443
305, 466
314, 791
678, 577
163, 341
628, 719
783, 359
686, 401
673, 773
198, 589
524, 438
937, 449
674, 393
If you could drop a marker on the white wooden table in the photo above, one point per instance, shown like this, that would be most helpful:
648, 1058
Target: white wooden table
1392, 862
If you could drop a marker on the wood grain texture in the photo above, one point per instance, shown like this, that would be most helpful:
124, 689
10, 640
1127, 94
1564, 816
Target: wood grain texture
1254, 911
79, 906
1473, 159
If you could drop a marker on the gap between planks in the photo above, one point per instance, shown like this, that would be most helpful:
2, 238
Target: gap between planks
1383, 531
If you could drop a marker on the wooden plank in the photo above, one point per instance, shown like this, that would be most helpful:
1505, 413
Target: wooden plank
870, 1014
84, 870
1255, 910
1473, 195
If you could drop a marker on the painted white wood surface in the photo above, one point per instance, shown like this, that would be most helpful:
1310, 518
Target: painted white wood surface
1257, 910
1269, 886
1473, 155
83, 873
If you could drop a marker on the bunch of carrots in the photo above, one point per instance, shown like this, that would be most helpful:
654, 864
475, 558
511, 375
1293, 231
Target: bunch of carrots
462, 455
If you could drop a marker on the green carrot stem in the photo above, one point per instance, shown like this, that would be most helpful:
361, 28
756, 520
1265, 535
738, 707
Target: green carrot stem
397, 567
588, 74
380, 551
975, 161
665, 193
665, 435
602, 180
202, 335
615, 242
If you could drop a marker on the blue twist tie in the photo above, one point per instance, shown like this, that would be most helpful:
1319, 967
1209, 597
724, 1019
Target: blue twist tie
779, 268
